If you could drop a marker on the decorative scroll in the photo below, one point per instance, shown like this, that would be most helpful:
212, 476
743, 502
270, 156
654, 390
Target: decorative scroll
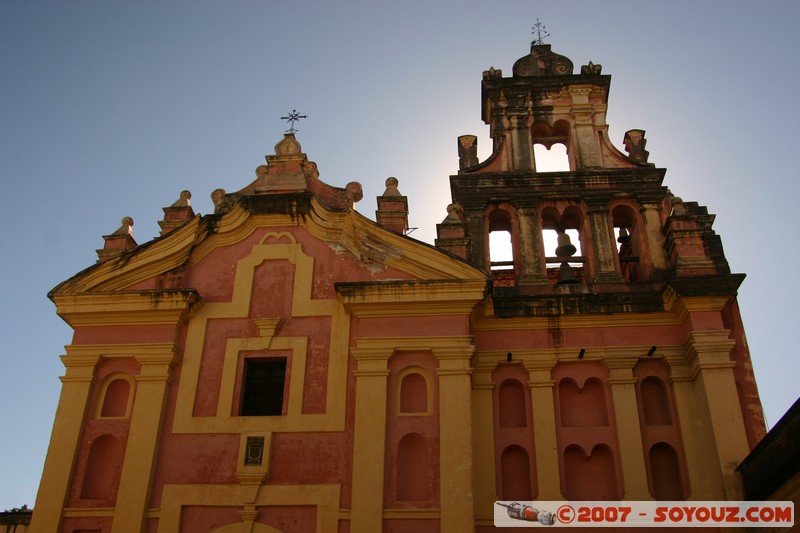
542, 62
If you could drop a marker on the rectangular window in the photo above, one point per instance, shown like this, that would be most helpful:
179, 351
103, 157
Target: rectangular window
262, 394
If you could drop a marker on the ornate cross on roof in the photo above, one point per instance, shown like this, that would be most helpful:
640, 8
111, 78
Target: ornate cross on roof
293, 117
539, 31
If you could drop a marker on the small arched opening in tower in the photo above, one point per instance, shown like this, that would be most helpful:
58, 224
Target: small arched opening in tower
563, 243
551, 150
628, 234
501, 248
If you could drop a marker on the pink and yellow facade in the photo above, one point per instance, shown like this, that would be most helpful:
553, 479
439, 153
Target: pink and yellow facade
288, 365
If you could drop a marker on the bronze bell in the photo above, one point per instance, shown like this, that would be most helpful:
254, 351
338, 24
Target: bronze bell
566, 274
564, 251
565, 247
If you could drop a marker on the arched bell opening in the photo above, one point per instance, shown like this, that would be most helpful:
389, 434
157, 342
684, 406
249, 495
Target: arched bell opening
629, 237
563, 241
502, 249
551, 146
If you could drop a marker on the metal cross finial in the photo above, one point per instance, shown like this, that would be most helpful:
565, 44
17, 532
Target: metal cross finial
293, 117
539, 31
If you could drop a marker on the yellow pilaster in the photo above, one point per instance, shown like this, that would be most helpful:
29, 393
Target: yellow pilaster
455, 437
544, 430
141, 450
629, 431
483, 443
369, 438
698, 439
60, 460
711, 351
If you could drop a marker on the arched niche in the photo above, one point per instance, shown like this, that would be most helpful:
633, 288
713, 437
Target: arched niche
413, 468
414, 392
512, 405
591, 477
102, 467
116, 394
516, 474
665, 473
582, 406
655, 403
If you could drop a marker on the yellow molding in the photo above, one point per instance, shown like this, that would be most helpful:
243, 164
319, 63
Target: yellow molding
410, 309
704, 303
296, 347
127, 307
453, 371
83, 353
381, 345
324, 497
349, 232
267, 326
236, 226
239, 307
80, 367
542, 357
88, 512
256, 474
429, 514
147, 261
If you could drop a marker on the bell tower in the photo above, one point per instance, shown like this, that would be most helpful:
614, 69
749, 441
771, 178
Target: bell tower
605, 290
607, 226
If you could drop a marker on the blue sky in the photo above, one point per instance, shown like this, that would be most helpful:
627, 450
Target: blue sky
110, 109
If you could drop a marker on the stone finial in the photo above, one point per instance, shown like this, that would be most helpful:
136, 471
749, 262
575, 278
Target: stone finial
391, 187
289, 172
216, 197
310, 170
492, 74
288, 145
455, 214
634, 144
678, 209
451, 233
467, 151
591, 68
177, 214
126, 228
354, 192
392, 208
117, 242
184, 200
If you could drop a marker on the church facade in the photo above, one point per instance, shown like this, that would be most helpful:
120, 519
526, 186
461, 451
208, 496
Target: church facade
289, 365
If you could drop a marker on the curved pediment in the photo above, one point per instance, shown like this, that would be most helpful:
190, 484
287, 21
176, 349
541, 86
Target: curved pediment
166, 262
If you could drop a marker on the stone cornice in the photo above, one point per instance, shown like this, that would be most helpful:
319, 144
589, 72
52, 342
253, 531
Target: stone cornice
411, 298
152, 307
